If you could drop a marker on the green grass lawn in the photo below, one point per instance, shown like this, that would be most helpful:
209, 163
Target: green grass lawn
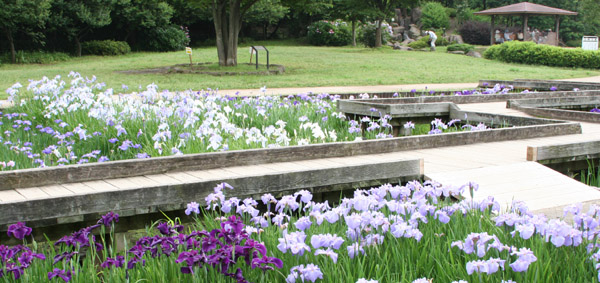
304, 66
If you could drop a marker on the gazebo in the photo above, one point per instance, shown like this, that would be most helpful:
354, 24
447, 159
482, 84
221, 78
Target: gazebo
524, 9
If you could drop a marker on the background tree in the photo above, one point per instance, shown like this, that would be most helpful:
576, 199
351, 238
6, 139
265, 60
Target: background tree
26, 16
133, 16
434, 16
266, 13
77, 18
352, 11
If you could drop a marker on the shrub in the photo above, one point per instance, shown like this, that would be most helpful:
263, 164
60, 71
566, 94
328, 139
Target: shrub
540, 54
329, 33
162, 39
35, 57
423, 42
105, 47
366, 34
434, 16
474, 32
461, 47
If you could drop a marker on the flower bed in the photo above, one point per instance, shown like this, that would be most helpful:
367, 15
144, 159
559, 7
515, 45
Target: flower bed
385, 234
57, 123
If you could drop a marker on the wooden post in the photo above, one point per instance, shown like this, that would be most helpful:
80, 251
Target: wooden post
557, 26
526, 34
492, 32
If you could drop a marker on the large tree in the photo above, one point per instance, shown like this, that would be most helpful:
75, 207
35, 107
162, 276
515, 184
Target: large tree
77, 18
134, 16
227, 18
22, 16
352, 11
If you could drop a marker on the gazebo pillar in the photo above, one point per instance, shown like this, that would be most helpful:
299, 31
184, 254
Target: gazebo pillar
492, 32
526, 35
557, 26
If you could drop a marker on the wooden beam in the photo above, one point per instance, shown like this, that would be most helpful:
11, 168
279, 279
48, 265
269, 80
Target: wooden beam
568, 150
526, 35
557, 26
492, 32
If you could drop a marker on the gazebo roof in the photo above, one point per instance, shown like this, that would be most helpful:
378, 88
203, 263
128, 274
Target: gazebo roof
525, 8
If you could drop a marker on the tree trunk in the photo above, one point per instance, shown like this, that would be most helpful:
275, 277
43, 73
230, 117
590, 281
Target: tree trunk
378, 33
219, 15
353, 32
78, 43
275, 31
11, 42
235, 22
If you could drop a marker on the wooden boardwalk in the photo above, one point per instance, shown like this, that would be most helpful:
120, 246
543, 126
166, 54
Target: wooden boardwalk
501, 169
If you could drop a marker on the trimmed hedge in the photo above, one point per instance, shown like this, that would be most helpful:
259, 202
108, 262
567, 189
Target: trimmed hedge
460, 47
105, 47
539, 54
34, 57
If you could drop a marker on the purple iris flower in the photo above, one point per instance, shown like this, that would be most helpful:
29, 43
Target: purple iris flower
65, 275
19, 230
109, 218
192, 207
116, 262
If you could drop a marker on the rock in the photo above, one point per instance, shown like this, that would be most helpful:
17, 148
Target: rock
397, 37
455, 38
416, 15
457, 52
389, 43
474, 54
405, 36
414, 31
398, 30
405, 42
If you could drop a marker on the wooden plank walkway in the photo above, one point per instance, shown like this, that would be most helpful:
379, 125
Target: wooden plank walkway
75, 202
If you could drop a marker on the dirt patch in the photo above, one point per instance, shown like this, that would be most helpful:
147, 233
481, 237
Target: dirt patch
202, 68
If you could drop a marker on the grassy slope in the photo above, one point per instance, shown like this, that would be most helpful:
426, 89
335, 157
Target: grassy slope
305, 66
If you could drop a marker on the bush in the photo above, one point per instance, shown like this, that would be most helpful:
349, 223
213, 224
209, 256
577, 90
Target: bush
366, 34
105, 47
423, 42
540, 54
434, 16
474, 32
461, 47
329, 33
163, 39
35, 57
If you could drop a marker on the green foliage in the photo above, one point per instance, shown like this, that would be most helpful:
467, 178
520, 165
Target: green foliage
35, 57
540, 54
423, 42
460, 47
475, 32
367, 34
163, 39
105, 47
434, 16
266, 12
23, 16
329, 33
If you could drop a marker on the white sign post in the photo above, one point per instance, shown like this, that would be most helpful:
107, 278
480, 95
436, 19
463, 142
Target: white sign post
188, 50
589, 43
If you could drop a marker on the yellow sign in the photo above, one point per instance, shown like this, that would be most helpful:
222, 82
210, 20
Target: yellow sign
188, 50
